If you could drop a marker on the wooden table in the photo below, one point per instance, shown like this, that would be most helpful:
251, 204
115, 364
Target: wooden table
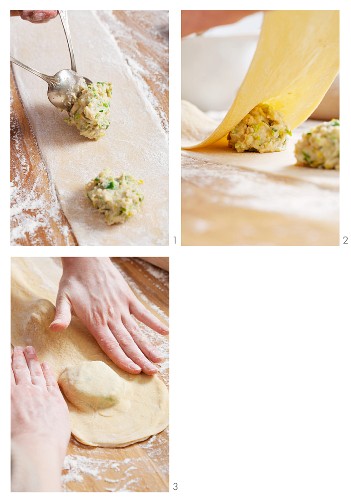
228, 205
141, 466
34, 202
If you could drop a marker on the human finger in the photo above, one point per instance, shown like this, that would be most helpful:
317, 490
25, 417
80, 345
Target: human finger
38, 16
20, 367
63, 314
35, 371
130, 348
113, 350
146, 317
50, 380
150, 351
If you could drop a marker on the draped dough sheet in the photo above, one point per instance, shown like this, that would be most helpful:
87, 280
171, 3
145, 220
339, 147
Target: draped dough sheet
34, 287
135, 142
296, 61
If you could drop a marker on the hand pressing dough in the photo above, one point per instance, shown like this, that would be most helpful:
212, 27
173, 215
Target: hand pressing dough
141, 407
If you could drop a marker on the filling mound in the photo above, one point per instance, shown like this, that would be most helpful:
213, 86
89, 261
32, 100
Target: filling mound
91, 110
263, 130
118, 198
320, 146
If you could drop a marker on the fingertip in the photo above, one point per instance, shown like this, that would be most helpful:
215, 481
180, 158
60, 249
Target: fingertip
58, 326
133, 368
150, 371
45, 367
158, 359
162, 329
29, 349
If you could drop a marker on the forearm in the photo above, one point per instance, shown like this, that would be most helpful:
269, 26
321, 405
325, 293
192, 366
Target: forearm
36, 466
196, 21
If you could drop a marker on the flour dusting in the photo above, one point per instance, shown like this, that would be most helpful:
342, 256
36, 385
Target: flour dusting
32, 208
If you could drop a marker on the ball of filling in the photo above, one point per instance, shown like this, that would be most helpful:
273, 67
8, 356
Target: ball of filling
118, 198
91, 109
92, 384
320, 146
261, 131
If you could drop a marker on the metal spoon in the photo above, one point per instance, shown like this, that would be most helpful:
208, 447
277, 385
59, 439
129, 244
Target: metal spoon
62, 87
64, 20
65, 84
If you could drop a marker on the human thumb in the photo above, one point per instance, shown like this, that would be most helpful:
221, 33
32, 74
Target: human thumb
63, 314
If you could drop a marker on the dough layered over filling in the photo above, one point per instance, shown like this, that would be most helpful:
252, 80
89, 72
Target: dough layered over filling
320, 146
91, 109
118, 198
262, 131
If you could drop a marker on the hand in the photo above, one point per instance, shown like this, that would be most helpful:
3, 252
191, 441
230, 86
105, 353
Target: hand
94, 290
40, 426
38, 407
35, 16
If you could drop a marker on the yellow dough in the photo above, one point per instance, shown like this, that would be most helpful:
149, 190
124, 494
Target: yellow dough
108, 407
296, 61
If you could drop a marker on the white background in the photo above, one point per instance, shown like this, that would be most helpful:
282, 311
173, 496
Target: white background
260, 337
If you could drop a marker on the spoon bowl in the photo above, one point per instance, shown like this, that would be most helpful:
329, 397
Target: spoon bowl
64, 88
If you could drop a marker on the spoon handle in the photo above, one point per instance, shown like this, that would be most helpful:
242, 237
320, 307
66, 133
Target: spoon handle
64, 21
47, 78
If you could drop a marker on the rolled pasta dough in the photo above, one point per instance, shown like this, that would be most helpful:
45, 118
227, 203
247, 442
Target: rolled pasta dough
296, 61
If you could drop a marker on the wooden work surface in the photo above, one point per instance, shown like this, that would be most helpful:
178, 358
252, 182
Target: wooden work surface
36, 215
141, 466
224, 204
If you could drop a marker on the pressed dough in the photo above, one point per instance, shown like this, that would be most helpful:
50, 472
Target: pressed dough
92, 385
140, 406
296, 61
135, 138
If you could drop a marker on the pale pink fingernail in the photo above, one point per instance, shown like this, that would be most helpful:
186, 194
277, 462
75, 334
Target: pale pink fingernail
39, 16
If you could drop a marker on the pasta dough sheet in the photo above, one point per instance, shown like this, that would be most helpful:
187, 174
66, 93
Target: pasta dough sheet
34, 287
281, 164
135, 142
296, 61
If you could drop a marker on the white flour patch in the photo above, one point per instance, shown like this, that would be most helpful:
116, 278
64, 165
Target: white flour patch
78, 467
234, 186
29, 210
